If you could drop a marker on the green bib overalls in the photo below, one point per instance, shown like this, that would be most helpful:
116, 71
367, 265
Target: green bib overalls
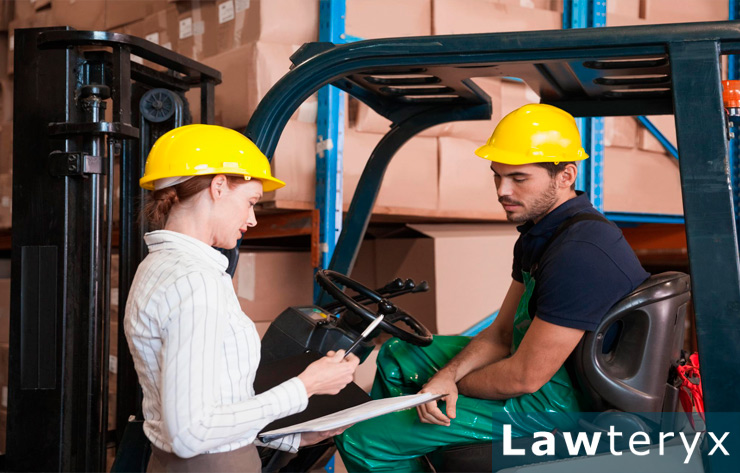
393, 442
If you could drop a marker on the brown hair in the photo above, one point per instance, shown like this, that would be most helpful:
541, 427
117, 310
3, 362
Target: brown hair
160, 202
553, 169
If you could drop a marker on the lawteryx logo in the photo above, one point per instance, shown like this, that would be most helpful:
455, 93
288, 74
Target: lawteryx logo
639, 443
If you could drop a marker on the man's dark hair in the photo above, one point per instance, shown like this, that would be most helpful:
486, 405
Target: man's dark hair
553, 169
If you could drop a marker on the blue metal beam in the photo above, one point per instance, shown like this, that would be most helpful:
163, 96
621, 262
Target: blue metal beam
329, 141
733, 73
643, 217
477, 328
645, 121
589, 14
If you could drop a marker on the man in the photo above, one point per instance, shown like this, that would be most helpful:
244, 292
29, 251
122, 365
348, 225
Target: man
570, 267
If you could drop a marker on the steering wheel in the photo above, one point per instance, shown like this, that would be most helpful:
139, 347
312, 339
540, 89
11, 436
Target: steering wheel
418, 335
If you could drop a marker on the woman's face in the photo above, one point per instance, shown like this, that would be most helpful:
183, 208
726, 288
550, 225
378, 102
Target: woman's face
236, 212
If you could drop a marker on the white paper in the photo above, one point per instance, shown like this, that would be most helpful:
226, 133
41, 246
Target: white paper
186, 28
353, 415
225, 12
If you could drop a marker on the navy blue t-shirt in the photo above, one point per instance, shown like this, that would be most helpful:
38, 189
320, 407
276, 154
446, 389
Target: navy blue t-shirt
585, 271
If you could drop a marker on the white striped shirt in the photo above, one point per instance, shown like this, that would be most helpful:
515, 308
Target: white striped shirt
196, 353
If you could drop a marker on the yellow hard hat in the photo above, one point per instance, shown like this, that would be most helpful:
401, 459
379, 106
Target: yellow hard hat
196, 150
534, 133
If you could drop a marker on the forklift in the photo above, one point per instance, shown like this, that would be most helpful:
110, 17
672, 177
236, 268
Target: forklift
65, 154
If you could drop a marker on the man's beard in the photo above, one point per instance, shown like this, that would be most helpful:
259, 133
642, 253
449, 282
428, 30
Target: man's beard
539, 208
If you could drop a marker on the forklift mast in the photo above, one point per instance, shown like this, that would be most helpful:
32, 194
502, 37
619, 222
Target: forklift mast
67, 153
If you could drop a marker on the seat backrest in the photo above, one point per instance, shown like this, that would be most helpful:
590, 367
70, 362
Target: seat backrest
625, 363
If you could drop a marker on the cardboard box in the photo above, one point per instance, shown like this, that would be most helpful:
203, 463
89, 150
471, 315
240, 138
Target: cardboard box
410, 181
122, 12
23, 9
79, 14
4, 311
197, 25
41, 19
7, 10
262, 328
40, 4
6, 200
466, 182
666, 124
642, 182
3, 428
4, 351
555, 5
3, 55
370, 19
365, 374
489, 16
17, 23
160, 28
268, 282
274, 21
366, 120
625, 8
6, 100
295, 163
681, 11
248, 72
614, 19
620, 132
468, 267
515, 94
6, 147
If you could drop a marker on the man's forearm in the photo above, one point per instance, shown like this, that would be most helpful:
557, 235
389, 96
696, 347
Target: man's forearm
481, 351
499, 380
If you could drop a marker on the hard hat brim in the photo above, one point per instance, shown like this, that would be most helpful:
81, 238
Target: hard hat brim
269, 184
503, 156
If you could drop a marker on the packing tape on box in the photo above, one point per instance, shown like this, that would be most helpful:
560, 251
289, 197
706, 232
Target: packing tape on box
247, 275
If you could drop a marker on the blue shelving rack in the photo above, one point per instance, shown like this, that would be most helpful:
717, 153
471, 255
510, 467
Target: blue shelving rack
329, 141
733, 73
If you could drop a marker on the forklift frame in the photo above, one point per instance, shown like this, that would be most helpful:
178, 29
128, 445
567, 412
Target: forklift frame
63, 169
60, 225
637, 70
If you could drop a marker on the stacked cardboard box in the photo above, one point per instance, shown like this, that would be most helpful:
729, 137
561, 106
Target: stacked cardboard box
640, 175
4, 328
461, 262
683, 11
285, 275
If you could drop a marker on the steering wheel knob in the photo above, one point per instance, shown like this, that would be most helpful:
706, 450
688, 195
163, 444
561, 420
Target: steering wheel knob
385, 307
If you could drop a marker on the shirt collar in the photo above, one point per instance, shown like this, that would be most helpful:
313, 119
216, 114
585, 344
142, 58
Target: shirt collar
173, 241
553, 219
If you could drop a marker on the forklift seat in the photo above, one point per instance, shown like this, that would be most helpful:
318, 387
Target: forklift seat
623, 365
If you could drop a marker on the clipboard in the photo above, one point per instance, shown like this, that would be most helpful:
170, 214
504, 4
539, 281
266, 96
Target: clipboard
352, 415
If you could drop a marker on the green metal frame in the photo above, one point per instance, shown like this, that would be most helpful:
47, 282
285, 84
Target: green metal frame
575, 70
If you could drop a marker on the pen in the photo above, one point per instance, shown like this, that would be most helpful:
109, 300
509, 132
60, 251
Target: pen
367, 331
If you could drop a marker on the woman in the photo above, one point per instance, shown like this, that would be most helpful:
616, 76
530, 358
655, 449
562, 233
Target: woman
195, 352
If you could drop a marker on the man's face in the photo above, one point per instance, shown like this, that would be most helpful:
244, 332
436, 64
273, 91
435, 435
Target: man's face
527, 192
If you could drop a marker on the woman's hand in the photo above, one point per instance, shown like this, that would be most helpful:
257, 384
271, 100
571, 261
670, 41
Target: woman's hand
310, 438
330, 374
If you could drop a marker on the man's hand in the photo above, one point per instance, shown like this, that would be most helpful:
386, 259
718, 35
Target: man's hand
441, 383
